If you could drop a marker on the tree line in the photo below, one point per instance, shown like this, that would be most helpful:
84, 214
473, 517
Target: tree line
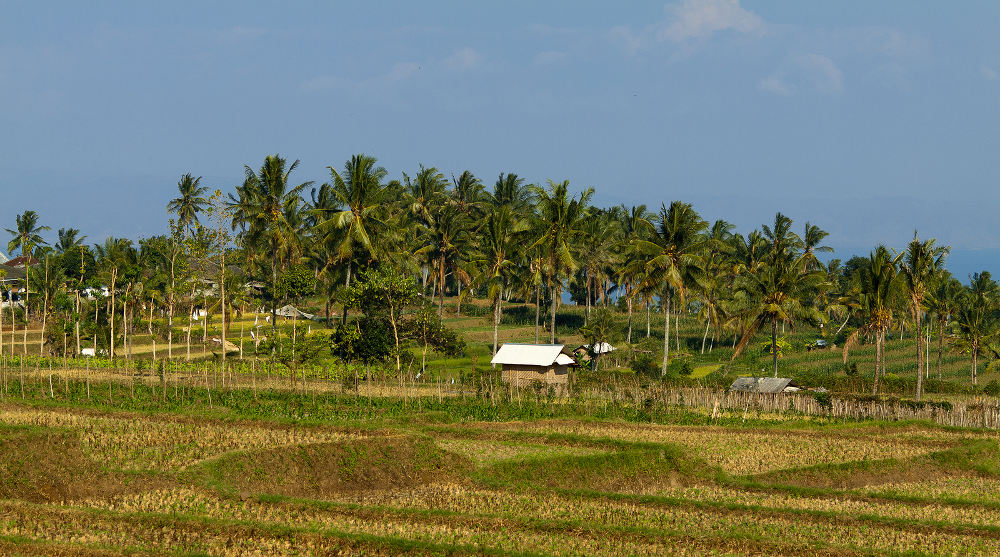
511, 242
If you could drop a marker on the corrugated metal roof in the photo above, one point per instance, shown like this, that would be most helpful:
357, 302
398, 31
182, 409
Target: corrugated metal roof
762, 384
531, 355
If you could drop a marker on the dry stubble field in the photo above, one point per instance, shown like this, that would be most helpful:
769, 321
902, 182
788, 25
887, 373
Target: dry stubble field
89, 481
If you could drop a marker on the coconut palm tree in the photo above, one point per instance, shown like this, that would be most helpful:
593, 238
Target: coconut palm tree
670, 258
775, 293
977, 324
268, 209
511, 192
500, 244
919, 264
112, 261
559, 219
944, 303
191, 201
874, 290
363, 228
26, 233
69, 238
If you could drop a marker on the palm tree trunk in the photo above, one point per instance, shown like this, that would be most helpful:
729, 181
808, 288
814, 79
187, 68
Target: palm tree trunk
648, 331
111, 316
878, 351
920, 350
774, 346
538, 308
496, 322
347, 284
190, 323
628, 302
704, 338
677, 330
975, 362
552, 333
940, 345
666, 336
458, 299
441, 287
586, 316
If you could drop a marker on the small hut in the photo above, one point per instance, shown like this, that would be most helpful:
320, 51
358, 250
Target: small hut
524, 364
765, 385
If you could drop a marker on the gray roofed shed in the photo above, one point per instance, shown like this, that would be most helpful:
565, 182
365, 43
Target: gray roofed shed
764, 385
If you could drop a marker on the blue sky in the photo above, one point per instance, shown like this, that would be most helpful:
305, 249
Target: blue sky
871, 119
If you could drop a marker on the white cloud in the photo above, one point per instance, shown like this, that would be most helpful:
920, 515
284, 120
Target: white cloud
774, 85
988, 73
822, 72
624, 35
812, 71
241, 33
323, 83
549, 57
464, 59
698, 19
402, 70
399, 71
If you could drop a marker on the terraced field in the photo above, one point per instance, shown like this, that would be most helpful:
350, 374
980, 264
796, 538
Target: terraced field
89, 481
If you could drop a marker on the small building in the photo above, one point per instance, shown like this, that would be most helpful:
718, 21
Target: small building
584, 351
765, 385
524, 364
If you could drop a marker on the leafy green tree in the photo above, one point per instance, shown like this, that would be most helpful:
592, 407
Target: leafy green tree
944, 304
383, 293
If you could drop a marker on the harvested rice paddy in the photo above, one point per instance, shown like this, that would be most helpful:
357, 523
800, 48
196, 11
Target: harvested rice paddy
91, 481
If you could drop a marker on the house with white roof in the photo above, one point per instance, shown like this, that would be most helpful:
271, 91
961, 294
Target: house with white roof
524, 364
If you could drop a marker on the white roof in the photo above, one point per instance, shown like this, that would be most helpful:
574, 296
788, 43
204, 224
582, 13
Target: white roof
531, 355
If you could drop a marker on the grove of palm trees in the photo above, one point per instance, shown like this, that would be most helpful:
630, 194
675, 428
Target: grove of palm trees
425, 276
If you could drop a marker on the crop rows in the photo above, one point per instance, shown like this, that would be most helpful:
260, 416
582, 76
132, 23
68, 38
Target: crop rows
139, 443
746, 451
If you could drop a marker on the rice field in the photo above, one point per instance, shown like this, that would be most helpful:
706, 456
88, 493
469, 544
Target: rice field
89, 480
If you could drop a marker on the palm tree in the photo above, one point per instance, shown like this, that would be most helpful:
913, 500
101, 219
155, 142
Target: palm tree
467, 194
268, 209
874, 290
425, 192
559, 220
944, 303
978, 321
444, 239
918, 267
773, 293
635, 223
26, 236
190, 202
509, 191
499, 245
26, 233
112, 258
363, 228
69, 238
811, 244
600, 238
670, 258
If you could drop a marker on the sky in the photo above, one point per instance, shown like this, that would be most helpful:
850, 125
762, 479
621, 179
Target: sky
872, 120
